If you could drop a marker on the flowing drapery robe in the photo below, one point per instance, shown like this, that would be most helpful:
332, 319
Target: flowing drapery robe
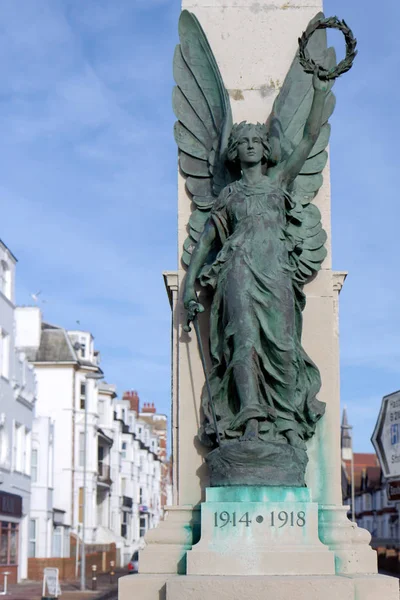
256, 319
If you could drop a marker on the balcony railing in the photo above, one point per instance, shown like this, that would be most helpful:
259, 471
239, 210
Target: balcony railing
103, 472
127, 502
124, 531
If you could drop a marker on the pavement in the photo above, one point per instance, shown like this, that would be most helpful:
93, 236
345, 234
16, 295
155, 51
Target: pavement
32, 590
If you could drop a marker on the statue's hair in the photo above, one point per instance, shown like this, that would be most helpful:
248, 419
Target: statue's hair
238, 131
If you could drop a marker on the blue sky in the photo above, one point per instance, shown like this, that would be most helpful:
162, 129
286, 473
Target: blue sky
88, 184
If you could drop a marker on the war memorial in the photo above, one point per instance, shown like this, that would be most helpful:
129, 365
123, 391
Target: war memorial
257, 507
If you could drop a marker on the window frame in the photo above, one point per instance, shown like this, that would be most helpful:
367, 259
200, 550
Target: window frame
34, 465
32, 540
5, 354
81, 449
82, 395
124, 448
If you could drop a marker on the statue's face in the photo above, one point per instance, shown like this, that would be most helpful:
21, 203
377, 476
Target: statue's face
250, 148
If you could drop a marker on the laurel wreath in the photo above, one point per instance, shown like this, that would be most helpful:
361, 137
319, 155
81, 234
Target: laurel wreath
310, 66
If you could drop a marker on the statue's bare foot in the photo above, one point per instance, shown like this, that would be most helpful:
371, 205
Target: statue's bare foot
251, 432
295, 440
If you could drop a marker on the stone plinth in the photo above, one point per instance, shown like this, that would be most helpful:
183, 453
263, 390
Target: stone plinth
301, 587
282, 588
259, 531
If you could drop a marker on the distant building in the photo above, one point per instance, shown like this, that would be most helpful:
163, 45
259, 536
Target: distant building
67, 364
17, 399
141, 465
125, 449
109, 525
159, 425
373, 511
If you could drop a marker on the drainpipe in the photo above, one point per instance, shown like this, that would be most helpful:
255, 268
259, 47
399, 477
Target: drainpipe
73, 456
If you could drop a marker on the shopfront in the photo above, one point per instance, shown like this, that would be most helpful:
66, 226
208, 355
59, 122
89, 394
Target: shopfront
10, 515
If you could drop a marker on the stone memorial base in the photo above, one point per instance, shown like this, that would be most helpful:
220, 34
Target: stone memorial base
250, 530
266, 543
256, 587
369, 587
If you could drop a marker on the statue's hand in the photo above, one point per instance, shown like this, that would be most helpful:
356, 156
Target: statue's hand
321, 85
192, 306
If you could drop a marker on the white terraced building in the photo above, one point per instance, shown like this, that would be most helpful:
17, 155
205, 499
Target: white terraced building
66, 364
123, 453
17, 400
140, 475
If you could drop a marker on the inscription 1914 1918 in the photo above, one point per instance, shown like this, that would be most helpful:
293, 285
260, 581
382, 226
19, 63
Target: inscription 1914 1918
273, 518
252, 526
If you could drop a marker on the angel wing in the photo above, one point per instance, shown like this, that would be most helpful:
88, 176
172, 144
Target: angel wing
286, 125
202, 106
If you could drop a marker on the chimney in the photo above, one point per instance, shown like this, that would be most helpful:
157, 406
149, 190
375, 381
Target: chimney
133, 397
149, 408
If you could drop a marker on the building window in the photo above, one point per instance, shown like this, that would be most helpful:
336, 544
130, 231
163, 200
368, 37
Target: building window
140, 495
4, 354
66, 548
83, 350
8, 543
34, 465
18, 447
80, 505
81, 449
27, 452
32, 538
123, 452
82, 396
57, 541
143, 526
101, 408
5, 279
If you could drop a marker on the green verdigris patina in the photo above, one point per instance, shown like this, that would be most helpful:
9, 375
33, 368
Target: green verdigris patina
255, 239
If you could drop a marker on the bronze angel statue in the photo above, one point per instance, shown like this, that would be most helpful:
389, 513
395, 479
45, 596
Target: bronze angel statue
255, 239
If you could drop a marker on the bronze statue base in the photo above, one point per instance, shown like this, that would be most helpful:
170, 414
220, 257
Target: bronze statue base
256, 463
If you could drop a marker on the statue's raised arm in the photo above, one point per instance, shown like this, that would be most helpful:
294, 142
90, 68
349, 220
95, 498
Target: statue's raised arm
312, 129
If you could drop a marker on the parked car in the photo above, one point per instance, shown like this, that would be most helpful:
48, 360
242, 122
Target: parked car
133, 564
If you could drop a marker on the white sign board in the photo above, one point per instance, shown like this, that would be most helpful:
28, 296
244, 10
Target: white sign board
50, 580
386, 436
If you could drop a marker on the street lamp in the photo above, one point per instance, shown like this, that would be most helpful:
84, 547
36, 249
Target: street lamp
95, 376
353, 509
